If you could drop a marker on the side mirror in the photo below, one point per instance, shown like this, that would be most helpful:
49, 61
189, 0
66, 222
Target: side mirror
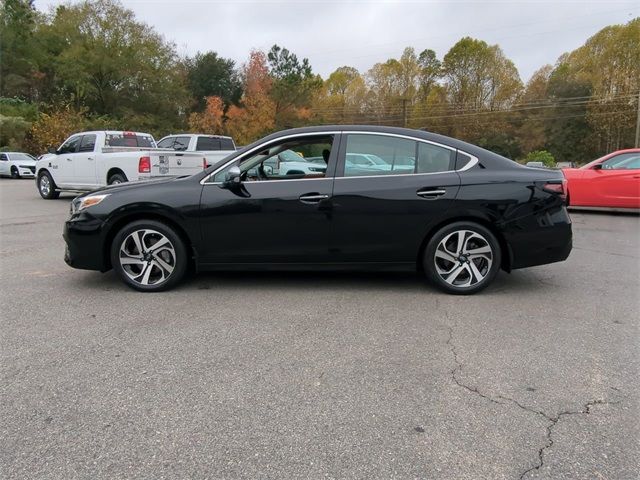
597, 166
52, 150
233, 177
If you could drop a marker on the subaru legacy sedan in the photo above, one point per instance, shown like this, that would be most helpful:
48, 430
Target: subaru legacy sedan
446, 208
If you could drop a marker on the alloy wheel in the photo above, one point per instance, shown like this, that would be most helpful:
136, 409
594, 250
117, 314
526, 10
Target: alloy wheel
147, 257
463, 258
45, 185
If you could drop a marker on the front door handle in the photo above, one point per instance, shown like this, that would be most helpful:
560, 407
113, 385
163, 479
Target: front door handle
69, 159
312, 198
431, 193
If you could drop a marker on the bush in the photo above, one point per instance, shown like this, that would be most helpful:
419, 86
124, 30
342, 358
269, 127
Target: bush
540, 156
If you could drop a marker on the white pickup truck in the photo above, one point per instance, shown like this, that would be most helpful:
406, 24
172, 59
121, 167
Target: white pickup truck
89, 160
212, 147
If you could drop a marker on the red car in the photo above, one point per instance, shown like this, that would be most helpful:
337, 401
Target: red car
612, 181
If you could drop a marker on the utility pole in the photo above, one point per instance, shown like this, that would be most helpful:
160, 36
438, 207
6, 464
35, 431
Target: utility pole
638, 124
404, 113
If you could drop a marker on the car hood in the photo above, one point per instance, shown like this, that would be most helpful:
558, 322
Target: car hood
141, 185
26, 163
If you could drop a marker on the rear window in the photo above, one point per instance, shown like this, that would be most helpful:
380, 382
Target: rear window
129, 139
208, 143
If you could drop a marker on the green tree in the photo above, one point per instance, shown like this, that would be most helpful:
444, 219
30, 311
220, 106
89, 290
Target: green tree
210, 75
18, 51
541, 156
103, 59
294, 85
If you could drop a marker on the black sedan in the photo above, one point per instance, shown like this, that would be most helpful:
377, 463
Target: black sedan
388, 199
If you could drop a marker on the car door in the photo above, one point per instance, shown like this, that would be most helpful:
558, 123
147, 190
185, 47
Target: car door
84, 164
61, 164
615, 182
269, 218
4, 164
380, 216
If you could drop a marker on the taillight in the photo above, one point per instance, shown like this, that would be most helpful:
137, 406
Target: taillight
144, 165
559, 187
204, 164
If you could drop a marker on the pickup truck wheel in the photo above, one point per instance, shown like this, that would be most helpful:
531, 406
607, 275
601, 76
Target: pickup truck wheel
149, 256
47, 187
116, 178
15, 173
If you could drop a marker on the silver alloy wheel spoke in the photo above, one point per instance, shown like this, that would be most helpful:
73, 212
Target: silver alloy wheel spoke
147, 257
44, 185
469, 264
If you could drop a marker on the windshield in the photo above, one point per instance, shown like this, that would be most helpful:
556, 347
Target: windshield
21, 156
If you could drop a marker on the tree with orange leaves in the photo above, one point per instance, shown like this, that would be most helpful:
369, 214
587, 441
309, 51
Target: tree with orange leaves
209, 121
256, 115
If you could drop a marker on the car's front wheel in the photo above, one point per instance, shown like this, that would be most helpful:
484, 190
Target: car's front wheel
15, 173
149, 256
46, 186
462, 258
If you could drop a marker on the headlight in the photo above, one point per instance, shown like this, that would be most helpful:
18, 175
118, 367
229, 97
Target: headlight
86, 202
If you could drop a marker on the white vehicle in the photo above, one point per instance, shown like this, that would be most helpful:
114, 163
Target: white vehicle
89, 160
212, 148
17, 164
289, 162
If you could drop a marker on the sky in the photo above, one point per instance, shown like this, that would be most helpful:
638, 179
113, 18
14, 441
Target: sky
360, 33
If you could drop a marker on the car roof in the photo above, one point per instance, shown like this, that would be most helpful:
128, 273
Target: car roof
474, 150
195, 135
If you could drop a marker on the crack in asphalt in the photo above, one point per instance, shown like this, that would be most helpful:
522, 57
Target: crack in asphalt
553, 420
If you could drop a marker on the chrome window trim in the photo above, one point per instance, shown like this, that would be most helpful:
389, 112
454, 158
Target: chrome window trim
474, 160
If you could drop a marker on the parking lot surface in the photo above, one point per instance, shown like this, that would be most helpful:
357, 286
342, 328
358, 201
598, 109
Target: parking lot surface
317, 375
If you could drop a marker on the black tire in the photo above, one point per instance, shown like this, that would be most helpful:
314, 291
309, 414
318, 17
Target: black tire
151, 265
456, 271
15, 173
116, 178
46, 186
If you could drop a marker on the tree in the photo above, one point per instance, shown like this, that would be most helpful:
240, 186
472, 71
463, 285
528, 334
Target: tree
209, 121
105, 60
51, 129
341, 100
17, 48
294, 84
210, 75
481, 83
256, 115
541, 156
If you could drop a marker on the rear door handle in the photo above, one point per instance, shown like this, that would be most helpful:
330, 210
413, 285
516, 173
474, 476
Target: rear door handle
69, 159
431, 193
89, 158
312, 198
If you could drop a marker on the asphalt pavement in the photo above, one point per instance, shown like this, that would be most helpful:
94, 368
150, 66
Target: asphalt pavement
307, 375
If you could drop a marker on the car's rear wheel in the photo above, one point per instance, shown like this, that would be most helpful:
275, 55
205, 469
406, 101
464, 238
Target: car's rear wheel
462, 258
149, 256
47, 187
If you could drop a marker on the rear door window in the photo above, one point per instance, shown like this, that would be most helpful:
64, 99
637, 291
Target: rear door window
368, 155
88, 143
434, 159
